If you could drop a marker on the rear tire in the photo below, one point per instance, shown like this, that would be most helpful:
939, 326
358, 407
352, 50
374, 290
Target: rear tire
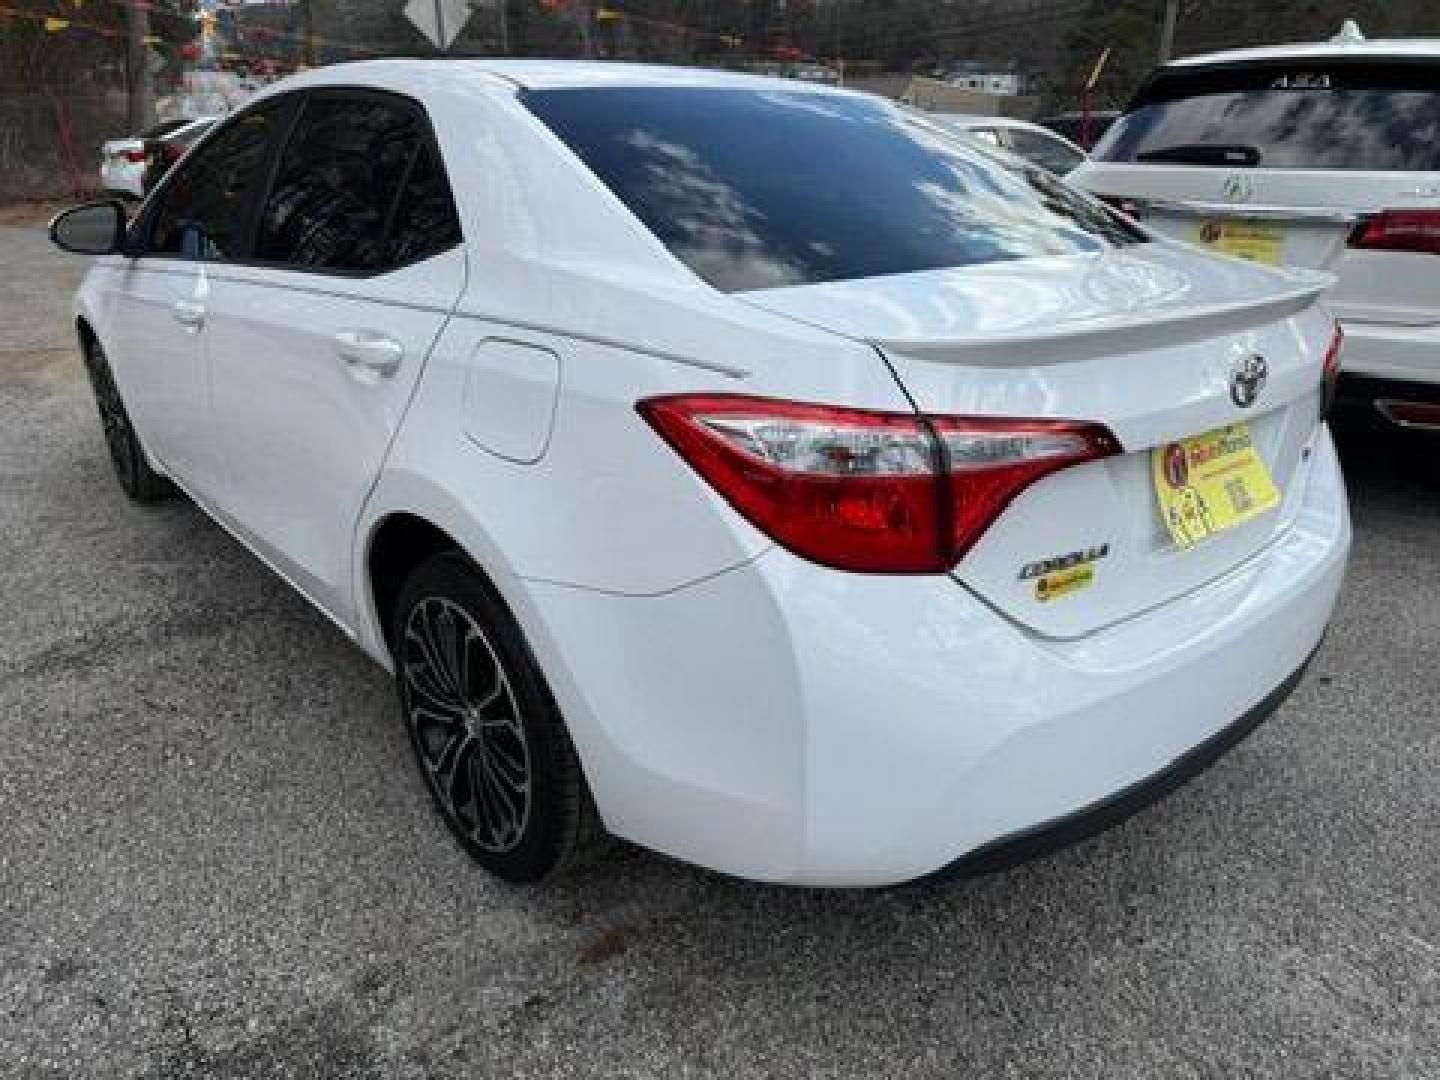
489, 739
140, 482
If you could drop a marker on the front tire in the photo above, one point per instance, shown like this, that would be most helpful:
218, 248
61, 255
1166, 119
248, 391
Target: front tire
490, 742
140, 482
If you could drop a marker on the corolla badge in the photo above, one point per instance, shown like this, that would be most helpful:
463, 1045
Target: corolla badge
1247, 379
1237, 189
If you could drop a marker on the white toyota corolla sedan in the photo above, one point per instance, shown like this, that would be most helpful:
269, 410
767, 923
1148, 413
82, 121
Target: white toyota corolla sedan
743, 466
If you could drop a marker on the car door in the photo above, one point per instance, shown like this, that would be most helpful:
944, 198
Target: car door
196, 225
316, 342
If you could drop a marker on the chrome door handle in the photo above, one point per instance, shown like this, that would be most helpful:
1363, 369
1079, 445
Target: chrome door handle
368, 355
188, 313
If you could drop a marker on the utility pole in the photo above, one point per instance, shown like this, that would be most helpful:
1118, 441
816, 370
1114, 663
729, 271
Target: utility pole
585, 18
307, 20
1167, 30
502, 9
139, 98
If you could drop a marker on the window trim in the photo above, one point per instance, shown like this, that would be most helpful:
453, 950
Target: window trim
298, 101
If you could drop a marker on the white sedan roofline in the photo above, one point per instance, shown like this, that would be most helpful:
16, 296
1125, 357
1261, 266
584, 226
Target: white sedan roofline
526, 74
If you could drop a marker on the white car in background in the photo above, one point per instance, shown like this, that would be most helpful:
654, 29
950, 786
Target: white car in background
1322, 155
810, 494
1030, 141
123, 161
1037, 145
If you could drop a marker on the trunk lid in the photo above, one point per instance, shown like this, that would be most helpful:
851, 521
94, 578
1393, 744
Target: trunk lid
1142, 339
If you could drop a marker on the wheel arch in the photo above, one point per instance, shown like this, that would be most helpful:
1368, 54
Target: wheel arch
410, 518
398, 543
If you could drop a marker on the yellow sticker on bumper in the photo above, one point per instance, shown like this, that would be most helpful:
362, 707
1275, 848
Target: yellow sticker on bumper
1211, 483
1064, 582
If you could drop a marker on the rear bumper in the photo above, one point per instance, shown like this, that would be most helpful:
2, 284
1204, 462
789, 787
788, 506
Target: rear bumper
790, 723
1052, 836
1400, 354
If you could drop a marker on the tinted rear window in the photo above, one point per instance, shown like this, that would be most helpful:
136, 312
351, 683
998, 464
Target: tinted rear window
1345, 116
757, 188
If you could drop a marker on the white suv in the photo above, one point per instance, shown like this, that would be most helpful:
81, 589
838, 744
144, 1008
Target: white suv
830, 500
1323, 155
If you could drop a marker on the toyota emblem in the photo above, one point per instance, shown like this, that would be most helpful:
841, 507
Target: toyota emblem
1247, 379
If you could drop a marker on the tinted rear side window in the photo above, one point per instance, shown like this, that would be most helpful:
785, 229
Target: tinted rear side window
758, 188
425, 221
338, 180
1348, 116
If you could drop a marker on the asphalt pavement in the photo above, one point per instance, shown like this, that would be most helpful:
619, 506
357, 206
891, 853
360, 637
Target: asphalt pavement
217, 859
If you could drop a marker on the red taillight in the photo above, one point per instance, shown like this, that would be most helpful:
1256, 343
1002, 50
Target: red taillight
1399, 230
867, 491
1330, 371
990, 460
135, 157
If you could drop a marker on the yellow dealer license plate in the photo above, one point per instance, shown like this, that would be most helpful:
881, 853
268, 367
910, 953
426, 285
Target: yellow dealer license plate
1243, 239
1211, 483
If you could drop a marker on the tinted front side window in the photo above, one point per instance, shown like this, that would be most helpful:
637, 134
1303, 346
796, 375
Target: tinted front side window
759, 188
346, 170
1351, 116
206, 210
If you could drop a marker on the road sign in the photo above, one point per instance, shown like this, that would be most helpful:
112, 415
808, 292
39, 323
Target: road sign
439, 20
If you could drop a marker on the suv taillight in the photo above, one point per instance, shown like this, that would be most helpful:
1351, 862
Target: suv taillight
1399, 230
874, 492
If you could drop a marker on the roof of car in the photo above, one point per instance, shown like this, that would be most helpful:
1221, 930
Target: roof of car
541, 74
1343, 45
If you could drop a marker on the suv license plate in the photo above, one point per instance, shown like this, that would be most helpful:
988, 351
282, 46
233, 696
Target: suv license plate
1242, 239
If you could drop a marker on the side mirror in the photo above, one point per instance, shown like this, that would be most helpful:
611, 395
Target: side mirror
96, 228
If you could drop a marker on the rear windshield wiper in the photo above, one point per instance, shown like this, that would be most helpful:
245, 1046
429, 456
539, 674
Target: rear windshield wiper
1232, 155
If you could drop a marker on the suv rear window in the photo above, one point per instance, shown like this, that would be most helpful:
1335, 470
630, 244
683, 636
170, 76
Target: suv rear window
755, 188
1296, 115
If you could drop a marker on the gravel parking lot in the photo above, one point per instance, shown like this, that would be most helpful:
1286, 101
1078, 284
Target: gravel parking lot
216, 858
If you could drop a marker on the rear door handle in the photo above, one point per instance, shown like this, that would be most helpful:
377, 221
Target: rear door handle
189, 313
368, 355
